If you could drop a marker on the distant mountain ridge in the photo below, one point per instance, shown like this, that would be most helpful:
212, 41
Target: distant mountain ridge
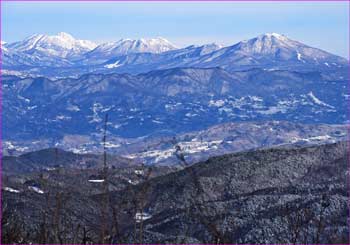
52, 158
37, 55
197, 145
149, 87
168, 102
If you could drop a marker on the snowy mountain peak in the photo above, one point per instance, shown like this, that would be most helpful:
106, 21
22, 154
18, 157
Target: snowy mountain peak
128, 46
273, 34
65, 35
270, 37
160, 41
151, 45
272, 49
62, 45
274, 37
268, 43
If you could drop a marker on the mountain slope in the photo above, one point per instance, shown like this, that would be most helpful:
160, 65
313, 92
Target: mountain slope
40, 52
278, 195
168, 102
251, 197
145, 62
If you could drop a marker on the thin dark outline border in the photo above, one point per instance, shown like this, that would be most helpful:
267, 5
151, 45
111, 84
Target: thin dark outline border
183, 1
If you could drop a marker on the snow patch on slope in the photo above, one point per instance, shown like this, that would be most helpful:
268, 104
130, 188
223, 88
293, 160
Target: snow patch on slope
318, 101
113, 65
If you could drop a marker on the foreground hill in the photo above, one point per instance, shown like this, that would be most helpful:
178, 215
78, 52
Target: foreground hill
254, 197
277, 195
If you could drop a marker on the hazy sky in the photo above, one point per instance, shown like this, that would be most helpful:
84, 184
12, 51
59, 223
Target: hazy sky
319, 24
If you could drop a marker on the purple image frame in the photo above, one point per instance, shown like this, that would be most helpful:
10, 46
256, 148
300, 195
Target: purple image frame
183, 1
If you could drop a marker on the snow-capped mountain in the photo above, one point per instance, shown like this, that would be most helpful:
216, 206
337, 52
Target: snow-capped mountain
267, 51
62, 45
70, 57
271, 50
109, 50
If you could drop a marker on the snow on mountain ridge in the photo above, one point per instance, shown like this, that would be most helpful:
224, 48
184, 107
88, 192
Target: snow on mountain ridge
279, 46
274, 34
127, 46
61, 45
267, 43
269, 49
106, 51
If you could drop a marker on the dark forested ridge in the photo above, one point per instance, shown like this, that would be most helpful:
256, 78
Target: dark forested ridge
277, 195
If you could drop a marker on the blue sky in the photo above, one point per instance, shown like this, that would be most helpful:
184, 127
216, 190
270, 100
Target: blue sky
324, 24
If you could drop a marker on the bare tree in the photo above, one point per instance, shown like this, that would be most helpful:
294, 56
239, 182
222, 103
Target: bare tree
104, 236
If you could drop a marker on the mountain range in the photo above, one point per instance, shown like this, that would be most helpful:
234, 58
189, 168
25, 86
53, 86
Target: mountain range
168, 101
63, 87
39, 54
202, 144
